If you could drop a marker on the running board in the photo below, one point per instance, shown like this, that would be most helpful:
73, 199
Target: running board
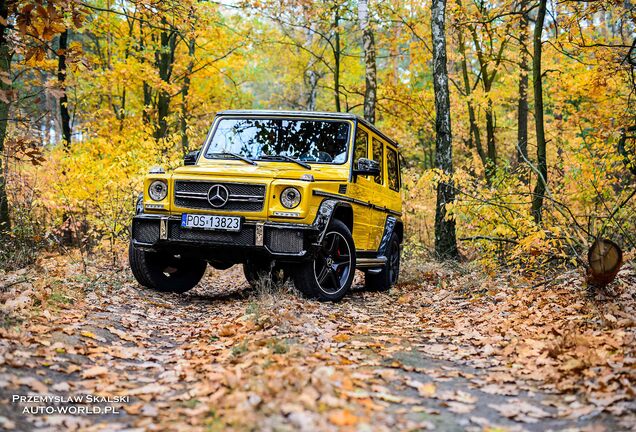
365, 263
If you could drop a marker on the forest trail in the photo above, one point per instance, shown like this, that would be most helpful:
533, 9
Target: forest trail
412, 359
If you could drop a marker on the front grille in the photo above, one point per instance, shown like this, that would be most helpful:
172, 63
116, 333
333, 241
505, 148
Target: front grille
146, 231
242, 197
245, 237
284, 241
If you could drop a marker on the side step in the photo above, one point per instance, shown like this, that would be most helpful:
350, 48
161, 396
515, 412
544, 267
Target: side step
369, 263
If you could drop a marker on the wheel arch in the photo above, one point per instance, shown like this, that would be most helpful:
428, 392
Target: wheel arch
399, 230
333, 209
344, 213
392, 225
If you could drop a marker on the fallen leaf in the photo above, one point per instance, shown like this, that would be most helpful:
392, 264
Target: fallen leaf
93, 372
33, 384
343, 418
459, 407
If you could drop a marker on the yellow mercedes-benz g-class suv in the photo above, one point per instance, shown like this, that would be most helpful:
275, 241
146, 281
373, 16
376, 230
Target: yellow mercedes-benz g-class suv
307, 195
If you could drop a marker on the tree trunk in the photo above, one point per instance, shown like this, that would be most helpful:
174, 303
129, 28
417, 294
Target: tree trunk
445, 239
312, 78
522, 110
490, 134
475, 134
5, 88
120, 111
605, 259
185, 88
165, 61
146, 89
336, 58
542, 164
65, 116
368, 45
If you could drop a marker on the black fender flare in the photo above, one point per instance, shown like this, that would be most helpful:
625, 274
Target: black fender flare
325, 214
389, 228
139, 204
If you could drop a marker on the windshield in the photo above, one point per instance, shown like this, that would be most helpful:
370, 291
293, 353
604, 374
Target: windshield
313, 141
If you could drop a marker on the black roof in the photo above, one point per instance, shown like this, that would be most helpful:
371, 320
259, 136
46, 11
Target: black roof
322, 114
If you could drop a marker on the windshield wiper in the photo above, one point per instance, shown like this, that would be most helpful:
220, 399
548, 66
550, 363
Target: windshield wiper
235, 156
288, 159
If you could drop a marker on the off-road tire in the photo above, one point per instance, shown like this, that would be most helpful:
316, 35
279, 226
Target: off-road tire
389, 275
149, 269
306, 277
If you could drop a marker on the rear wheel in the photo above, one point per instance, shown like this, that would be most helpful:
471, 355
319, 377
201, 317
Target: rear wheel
256, 268
389, 275
165, 272
328, 276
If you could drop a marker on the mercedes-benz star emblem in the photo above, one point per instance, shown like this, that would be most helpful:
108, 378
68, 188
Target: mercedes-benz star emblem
218, 196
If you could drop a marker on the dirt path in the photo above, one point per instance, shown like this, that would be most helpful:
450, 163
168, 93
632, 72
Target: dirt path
216, 359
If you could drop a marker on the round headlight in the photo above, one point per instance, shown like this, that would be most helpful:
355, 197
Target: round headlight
158, 190
290, 197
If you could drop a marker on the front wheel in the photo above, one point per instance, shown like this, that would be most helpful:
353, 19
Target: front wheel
165, 272
329, 274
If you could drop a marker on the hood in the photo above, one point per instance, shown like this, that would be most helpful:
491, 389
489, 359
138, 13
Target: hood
265, 169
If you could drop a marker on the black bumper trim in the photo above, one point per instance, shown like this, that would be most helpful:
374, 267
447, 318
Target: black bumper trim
238, 241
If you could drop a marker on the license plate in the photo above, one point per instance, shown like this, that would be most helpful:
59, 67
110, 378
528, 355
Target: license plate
211, 222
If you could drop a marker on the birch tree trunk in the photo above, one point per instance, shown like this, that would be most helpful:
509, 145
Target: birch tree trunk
542, 164
445, 239
368, 45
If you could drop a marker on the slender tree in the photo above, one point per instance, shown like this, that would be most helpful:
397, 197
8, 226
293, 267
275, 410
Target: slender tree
164, 60
185, 86
445, 239
65, 116
336, 55
5, 89
542, 164
368, 46
312, 75
475, 134
522, 104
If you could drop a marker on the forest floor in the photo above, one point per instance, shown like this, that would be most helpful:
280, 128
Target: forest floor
447, 349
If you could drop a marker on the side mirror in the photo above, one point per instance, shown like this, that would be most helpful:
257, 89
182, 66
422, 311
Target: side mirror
366, 167
191, 158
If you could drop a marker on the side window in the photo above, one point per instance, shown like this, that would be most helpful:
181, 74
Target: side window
378, 156
361, 146
393, 169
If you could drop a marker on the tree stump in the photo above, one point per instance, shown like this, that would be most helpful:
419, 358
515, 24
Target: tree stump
605, 258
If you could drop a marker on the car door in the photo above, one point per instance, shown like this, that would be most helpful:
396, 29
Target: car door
361, 190
379, 194
394, 199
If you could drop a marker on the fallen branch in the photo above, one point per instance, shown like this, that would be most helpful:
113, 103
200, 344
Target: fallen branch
499, 239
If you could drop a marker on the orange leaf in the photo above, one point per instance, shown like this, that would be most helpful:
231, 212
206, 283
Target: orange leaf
343, 418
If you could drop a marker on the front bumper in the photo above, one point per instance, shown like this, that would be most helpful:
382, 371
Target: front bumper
283, 240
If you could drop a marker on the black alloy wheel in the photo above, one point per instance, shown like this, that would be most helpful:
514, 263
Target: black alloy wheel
328, 276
